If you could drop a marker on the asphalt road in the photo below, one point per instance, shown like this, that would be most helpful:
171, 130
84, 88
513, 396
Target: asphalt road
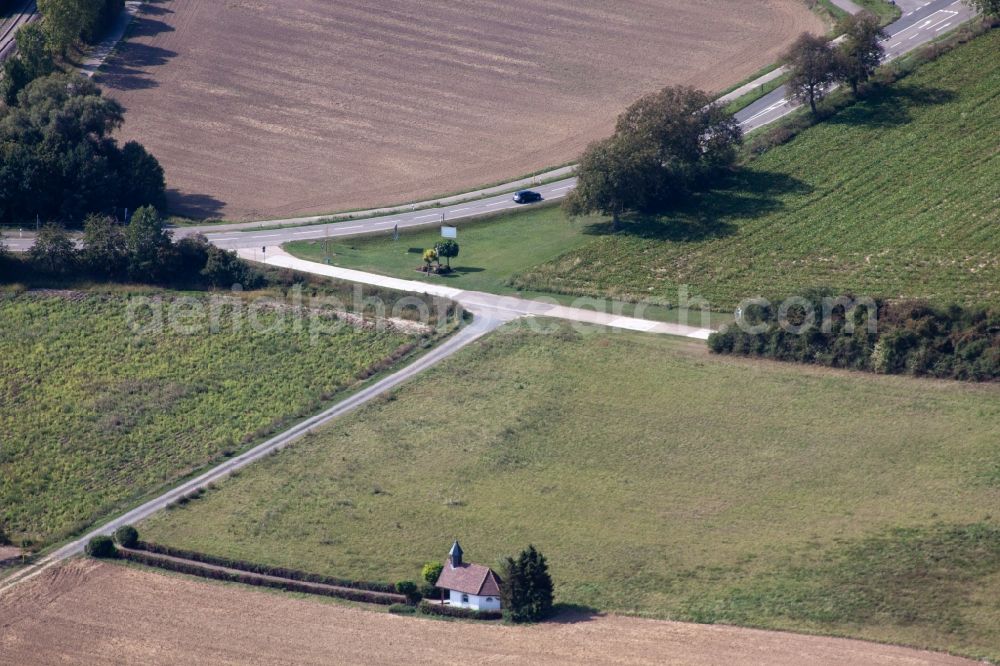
915, 28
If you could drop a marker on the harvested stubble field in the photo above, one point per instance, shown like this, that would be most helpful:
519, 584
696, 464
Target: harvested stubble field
274, 108
85, 612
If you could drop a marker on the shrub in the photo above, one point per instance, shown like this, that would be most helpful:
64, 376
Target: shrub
264, 569
402, 609
911, 337
429, 591
527, 588
455, 611
431, 572
409, 589
247, 578
101, 547
126, 536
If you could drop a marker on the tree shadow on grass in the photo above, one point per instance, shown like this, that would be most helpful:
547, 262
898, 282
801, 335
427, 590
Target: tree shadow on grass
572, 614
713, 213
890, 105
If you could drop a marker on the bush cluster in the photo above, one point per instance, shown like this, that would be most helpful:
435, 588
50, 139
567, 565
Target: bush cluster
402, 609
101, 547
264, 569
142, 251
126, 536
248, 578
912, 338
409, 590
455, 611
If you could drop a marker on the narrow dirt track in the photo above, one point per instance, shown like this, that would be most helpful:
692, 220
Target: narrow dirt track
87, 612
274, 108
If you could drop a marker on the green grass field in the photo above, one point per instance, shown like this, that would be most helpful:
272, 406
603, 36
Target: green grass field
94, 416
659, 481
897, 196
492, 250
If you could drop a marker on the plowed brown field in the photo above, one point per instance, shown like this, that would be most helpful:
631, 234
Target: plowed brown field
84, 612
265, 108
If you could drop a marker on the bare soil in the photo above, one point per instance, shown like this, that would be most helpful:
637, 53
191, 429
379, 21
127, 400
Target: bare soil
88, 612
272, 108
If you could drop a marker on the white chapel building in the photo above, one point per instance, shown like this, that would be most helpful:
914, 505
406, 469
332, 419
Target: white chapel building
469, 585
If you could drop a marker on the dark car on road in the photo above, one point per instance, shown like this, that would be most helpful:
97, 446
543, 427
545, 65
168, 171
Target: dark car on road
527, 196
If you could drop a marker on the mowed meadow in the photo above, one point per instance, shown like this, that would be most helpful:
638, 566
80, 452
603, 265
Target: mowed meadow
896, 196
93, 415
658, 480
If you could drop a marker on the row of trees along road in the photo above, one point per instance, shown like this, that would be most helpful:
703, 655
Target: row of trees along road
142, 252
674, 142
43, 45
815, 63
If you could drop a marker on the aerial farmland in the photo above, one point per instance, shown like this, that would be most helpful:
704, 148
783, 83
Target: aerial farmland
276, 109
501, 331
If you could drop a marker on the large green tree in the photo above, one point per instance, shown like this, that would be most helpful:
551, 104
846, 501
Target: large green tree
527, 592
54, 251
612, 179
814, 67
59, 161
861, 52
665, 145
65, 20
31, 61
150, 249
104, 251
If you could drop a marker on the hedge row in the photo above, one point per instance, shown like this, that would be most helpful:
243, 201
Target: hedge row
264, 569
248, 578
454, 611
908, 338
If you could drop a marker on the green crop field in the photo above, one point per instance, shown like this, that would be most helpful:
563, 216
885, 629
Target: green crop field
898, 196
659, 481
94, 415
